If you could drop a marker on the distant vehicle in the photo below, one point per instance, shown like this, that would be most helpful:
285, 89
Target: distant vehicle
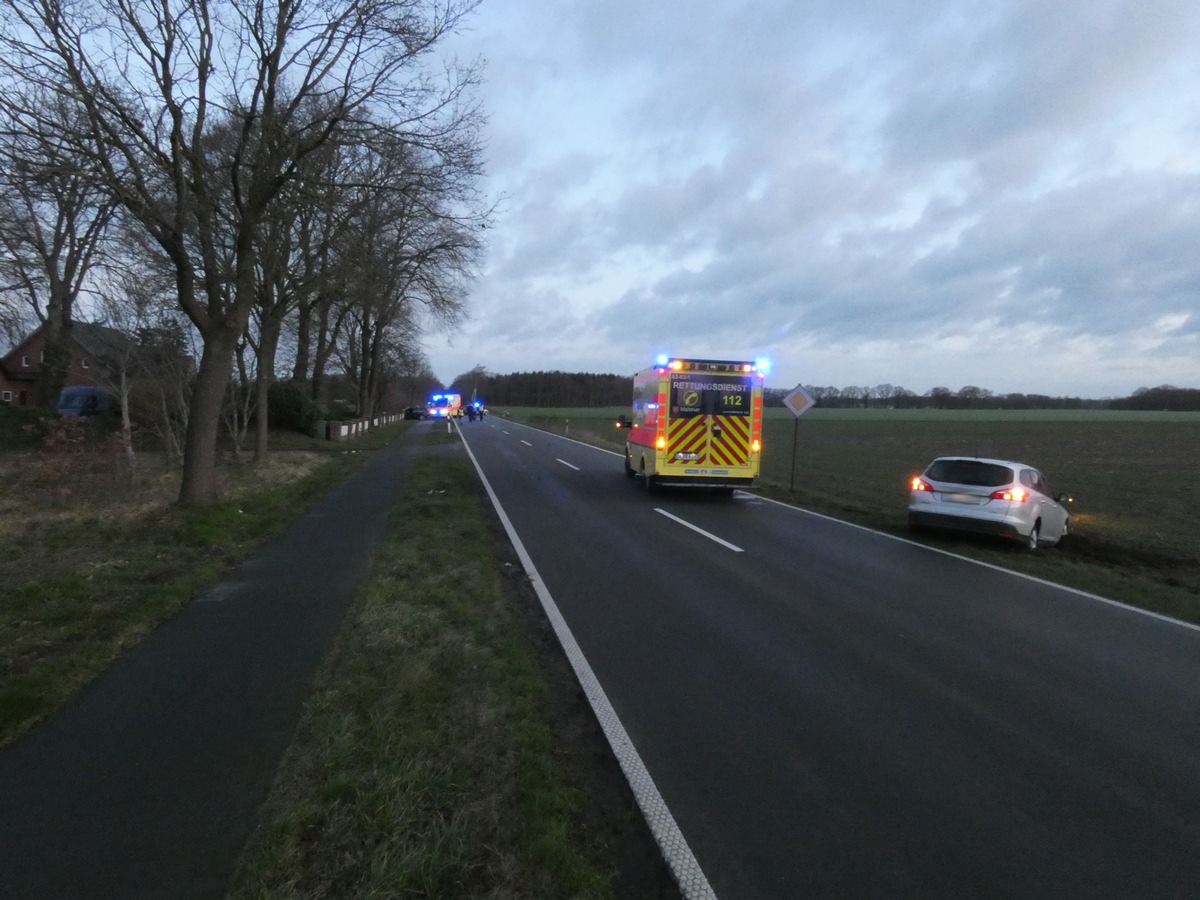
442, 406
988, 496
84, 400
696, 423
415, 412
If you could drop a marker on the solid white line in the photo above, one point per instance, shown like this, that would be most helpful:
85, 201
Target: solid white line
712, 537
693, 883
567, 464
987, 565
808, 512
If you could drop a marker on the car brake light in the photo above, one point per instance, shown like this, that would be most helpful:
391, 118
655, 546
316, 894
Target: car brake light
920, 485
1017, 495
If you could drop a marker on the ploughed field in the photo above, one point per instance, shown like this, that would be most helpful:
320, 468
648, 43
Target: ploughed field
1134, 477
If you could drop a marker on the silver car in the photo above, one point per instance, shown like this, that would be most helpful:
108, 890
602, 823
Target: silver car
988, 496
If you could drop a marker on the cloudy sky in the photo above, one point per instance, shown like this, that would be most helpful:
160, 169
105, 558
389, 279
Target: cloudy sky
1002, 193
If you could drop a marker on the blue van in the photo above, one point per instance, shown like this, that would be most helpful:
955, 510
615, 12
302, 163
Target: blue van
84, 400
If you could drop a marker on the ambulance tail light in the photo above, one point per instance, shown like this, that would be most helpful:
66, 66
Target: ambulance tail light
756, 446
661, 443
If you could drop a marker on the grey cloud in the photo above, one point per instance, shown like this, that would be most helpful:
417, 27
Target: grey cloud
827, 174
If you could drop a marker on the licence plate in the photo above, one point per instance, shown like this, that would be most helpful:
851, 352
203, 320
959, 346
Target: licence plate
964, 498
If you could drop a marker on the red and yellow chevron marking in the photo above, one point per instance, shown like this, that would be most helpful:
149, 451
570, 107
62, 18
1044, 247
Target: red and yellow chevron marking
688, 436
732, 448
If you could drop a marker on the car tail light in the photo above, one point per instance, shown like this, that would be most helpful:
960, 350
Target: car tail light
1017, 494
919, 484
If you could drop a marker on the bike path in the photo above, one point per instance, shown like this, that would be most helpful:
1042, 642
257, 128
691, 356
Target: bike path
148, 782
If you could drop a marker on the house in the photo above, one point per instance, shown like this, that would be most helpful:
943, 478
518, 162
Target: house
95, 348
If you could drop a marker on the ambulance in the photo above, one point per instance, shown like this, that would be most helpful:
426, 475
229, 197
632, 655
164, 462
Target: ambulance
696, 423
443, 406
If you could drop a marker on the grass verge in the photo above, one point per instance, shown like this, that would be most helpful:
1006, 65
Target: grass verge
423, 765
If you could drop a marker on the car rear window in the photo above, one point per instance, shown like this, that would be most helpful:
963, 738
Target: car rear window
969, 471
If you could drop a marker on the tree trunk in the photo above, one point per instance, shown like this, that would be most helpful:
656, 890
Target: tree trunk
263, 377
55, 365
303, 341
199, 486
127, 426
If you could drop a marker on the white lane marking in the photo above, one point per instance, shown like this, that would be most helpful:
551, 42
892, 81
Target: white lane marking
987, 565
526, 443
693, 883
808, 512
568, 465
712, 537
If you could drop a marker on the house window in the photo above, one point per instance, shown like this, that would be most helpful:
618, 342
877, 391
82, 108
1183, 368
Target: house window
83, 363
5, 396
25, 361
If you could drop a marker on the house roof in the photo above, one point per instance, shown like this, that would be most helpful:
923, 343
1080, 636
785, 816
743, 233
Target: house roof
100, 342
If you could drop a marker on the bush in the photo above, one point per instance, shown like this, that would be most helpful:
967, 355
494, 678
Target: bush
21, 427
292, 408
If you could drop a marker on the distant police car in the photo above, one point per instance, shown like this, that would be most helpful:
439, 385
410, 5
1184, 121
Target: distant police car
988, 496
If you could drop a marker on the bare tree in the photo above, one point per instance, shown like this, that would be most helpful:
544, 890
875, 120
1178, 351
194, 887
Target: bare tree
154, 83
883, 393
972, 396
150, 368
407, 239
853, 394
53, 219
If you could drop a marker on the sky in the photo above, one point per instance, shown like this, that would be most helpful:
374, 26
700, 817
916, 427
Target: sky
1002, 194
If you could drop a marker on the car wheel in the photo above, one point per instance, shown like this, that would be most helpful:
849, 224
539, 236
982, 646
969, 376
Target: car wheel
1034, 534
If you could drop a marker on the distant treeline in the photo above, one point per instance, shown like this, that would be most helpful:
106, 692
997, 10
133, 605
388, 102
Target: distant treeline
575, 389
549, 389
886, 396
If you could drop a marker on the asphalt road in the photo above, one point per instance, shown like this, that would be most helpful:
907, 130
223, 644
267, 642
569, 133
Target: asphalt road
831, 712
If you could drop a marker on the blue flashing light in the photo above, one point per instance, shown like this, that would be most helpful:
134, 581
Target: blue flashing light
763, 365
662, 359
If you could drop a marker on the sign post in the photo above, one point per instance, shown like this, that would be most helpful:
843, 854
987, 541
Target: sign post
799, 401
